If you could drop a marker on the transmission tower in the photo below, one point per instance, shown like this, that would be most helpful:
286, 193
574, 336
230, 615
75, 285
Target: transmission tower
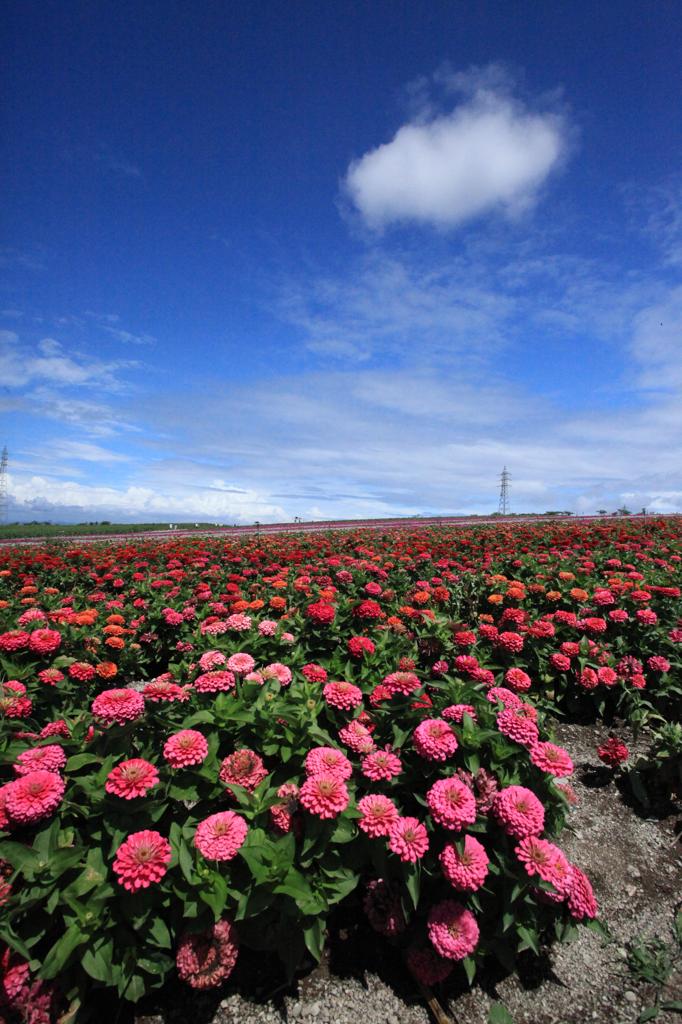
503, 507
3, 485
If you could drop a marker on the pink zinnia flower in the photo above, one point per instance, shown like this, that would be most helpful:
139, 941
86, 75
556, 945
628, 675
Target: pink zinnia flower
245, 768
519, 812
218, 681
210, 660
542, 858
451, 803
51, 676
408, 839
81, 671
404, 683
507, 697
357, 736
548, 757
434, 740
132, 778
314, 673
239, 623
581, 900
342, 695
118, 706
453, 930
44, 641
324, 795
221, 836
456, 712
185, 748
427, 966
282, 814
51, 758
58, 728
381, 764
513, 723
517, 680
206, 959
165, 689
379, 814
268, 627
276, 670
142, 859
512, 643
240, 664
34, 796
329, 760
465, 871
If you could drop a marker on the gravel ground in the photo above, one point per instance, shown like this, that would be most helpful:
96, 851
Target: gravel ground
635, 864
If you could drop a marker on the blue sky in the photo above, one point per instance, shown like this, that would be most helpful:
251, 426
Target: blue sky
272, 259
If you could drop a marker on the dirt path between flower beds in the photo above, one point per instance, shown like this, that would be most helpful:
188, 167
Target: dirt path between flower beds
635, 865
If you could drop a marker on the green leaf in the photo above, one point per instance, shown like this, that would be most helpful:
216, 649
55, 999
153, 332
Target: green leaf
135, 988
412, 879
22, 858
469, 966
314, 937
186, 862
672, 1004
80, 760
648, 1013
58, 956
96, 964
499, 1014
160, 934
529, 939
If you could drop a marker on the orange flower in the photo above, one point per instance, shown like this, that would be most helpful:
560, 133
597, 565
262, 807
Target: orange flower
28, 589
566, 576
328, 594
279, 584
484, 617
115, 642
277, 603
50, 590
553, 595
28, 600
536, 588
495, 599
113, 630
4, 604
5, 572
239, 606
85, 618
116, 620
578, 595
106, 669
515, 594
256, 605
421, 597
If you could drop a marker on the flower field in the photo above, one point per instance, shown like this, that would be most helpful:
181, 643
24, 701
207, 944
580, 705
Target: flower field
209, 744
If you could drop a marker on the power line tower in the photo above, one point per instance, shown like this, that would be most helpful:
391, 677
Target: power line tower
4, 503
503, 507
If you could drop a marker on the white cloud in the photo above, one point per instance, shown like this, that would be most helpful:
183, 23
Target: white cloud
21, 365
68, 499
489, 152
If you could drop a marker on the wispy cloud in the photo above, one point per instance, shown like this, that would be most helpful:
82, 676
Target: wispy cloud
21, 365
